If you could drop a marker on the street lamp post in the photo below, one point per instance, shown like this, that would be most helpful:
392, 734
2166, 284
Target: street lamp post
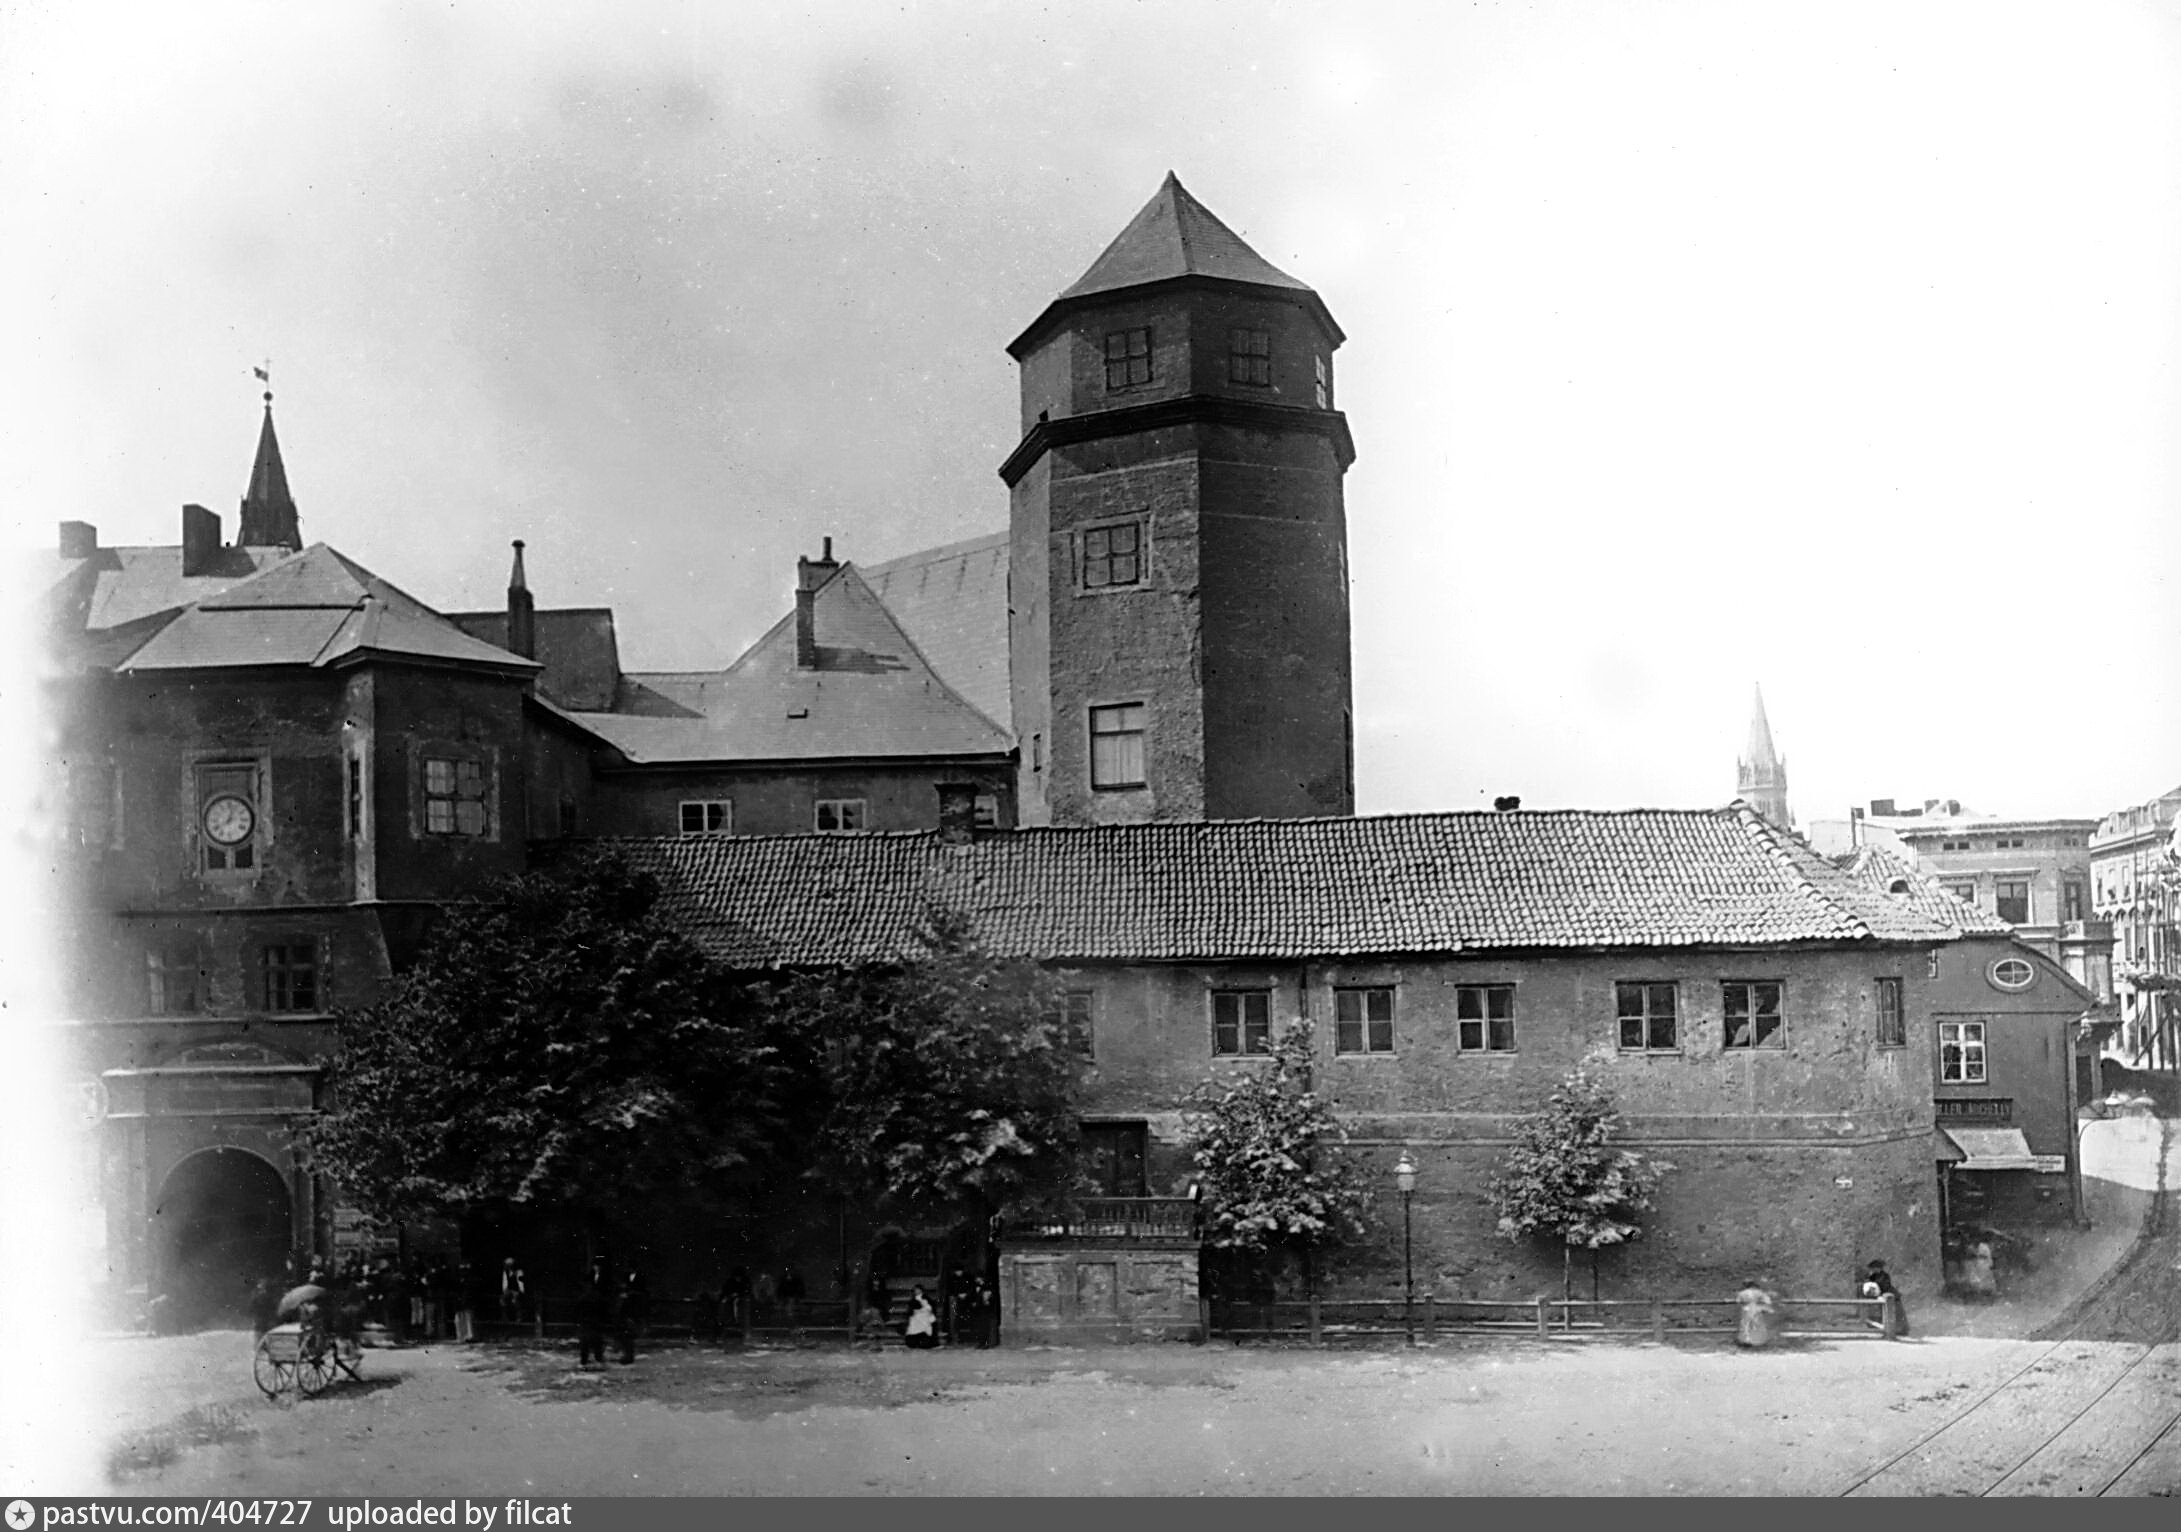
1404, 1176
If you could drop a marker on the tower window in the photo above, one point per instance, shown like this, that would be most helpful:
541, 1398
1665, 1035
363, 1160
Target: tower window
1117, 745
454, 796
1249, 357
174, 980
227, 816
1113, 556
289, 975
1892, 1025
1325, 383
1128, 358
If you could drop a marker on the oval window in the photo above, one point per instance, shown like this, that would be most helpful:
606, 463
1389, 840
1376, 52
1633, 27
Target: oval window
2012, 973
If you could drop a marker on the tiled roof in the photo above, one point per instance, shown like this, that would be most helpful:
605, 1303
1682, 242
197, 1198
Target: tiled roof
871, 694
1265, 889
576, 645
311, 609
1882, 870
1174, 236
952, 602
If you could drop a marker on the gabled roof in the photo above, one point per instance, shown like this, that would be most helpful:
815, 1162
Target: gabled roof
1280, 889
312, 609
576, 645
952, 603
113, 587
871, 695
1882, 870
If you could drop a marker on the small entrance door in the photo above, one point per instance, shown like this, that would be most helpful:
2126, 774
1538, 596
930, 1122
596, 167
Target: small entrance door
1113, 1158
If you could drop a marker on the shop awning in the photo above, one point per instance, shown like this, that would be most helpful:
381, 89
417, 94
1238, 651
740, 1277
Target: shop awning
1994, 1149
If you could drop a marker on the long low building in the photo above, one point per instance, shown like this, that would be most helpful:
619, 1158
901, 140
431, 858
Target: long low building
1758, 1013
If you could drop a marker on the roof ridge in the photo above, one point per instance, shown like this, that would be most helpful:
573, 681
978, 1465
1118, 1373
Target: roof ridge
1776, 843
931, 671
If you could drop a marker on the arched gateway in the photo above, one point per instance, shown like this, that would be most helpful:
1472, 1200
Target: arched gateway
221, 1222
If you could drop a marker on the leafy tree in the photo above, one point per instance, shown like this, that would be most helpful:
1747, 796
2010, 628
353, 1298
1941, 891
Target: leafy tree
1261, 1140
557, 1044
1563, 1180
945, 1080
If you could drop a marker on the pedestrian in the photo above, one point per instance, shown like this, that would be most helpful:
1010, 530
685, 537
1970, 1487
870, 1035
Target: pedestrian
986, 1299
511, 1292
791, 1292
923, 1321
878, 1294
634, 1309
1876, 1276
1758, 1323
735, 1301
264, 1305
593, 1309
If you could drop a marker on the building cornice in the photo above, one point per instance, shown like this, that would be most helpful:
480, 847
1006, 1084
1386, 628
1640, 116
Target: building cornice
1189, 409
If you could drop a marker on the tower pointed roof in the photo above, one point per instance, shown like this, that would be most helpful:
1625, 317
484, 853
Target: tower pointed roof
1758, 754
268, 510
1761, 777
1174, 237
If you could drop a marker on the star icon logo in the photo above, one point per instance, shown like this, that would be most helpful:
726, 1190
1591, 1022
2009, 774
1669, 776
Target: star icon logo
20, 1515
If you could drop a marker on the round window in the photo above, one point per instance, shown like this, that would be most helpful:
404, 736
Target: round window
2012, 973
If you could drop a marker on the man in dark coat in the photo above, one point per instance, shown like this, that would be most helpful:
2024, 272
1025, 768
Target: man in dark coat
634, 1310
593, 1309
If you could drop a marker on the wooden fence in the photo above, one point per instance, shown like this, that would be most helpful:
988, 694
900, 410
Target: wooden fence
1324, 1321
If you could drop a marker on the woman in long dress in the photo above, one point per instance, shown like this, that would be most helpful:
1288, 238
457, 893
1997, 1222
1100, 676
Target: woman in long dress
923, 1322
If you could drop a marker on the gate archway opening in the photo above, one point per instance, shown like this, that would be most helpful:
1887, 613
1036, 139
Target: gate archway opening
223, 1222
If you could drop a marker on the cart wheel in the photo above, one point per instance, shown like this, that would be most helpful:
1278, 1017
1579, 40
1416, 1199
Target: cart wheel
314, 1372
273, 1375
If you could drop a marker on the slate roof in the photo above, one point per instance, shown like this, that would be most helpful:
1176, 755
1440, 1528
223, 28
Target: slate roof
577, 646
1890, 875
117, 586
311, 609
952, 603
871, 695
1280, 889
1174, 235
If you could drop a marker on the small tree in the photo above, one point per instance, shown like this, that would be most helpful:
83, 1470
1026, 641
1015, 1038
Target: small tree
1266, 1145
945, 1080
1563, 1180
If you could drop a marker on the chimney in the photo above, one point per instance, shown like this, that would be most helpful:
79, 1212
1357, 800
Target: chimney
200, 539
957, 813
79, 539
1507, 804
522, 611
1882, 808
809, 575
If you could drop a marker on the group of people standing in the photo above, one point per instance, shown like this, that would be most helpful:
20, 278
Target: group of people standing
626, 1311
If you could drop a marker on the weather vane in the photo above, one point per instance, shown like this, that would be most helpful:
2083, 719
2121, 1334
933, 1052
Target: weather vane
265, 376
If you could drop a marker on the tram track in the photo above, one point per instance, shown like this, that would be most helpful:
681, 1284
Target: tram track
2143, 1286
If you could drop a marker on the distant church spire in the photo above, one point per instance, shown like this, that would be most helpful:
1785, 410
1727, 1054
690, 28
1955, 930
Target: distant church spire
268, 510
1761, 777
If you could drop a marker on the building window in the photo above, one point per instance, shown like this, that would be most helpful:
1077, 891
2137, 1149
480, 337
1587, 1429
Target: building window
987, 811
1128, 358
1892, 1024
1113, 556
454, 796
1117, 745
1961, 1053
1363, 1021
94, 805
1249, 357
1753, 1018
707, 816
1965, 892
1325, 383
567, 816
355, 794
1953, 845
839, 815
228, 817
1241, 1021
175, 980
2012, 974
2071, 901
1113, 1158
1075, 1019
2013, 902
1484, 1018
1647, 1017
289, 976
2008, 843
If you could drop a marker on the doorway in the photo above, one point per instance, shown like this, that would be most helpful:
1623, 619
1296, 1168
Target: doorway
222, 1222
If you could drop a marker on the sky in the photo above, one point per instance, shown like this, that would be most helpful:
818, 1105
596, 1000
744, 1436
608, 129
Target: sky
1691, 346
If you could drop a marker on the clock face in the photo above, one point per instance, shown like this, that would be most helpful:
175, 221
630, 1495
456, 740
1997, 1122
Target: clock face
229, 820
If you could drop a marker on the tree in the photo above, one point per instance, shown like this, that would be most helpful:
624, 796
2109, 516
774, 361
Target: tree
1563, 1180
945, 1080
558, 1045
1261, 1141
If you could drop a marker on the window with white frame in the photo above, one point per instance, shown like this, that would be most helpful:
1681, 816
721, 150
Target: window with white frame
288, 976
1753, 1015
1113, 556
174, 980
2012, 900
1484, 1018
838, 815
1363, 1020
1241, 1022
707, 816
1117, 745
986, 811
1648, 1019
454, 796
1961, 1053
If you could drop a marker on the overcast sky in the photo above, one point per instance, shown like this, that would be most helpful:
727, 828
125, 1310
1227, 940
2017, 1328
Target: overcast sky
1830, 346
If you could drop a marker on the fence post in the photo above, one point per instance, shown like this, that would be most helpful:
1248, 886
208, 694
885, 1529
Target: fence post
1431, 1316
1544, 1322
1658, 1321
1317, 1329
1204, 1317
1892, 1316
743, 1306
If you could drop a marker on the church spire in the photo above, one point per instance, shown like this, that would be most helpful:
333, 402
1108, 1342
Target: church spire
1761, 774
268, 510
